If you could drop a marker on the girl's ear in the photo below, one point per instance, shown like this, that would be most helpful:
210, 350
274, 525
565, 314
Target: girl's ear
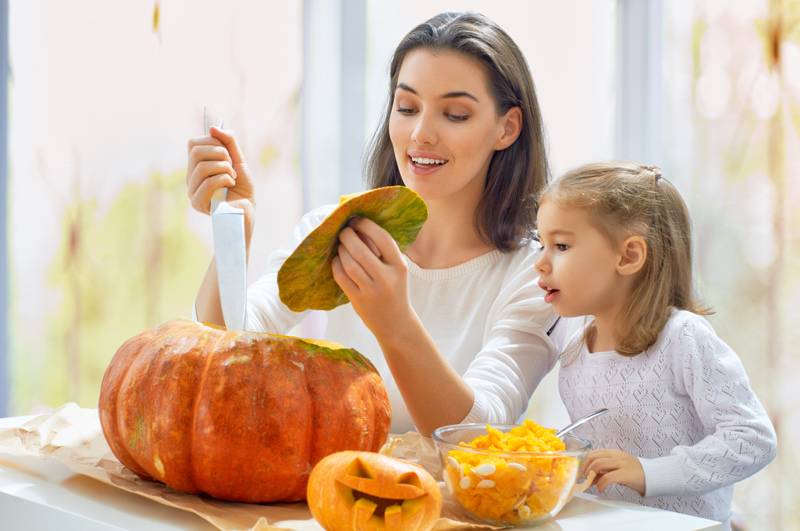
633, 254
512, 127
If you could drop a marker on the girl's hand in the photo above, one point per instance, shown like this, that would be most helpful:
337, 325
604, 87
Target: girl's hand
216, 161
372, 273
615, 466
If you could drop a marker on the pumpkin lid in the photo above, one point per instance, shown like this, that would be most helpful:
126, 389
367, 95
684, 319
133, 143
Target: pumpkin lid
305, 280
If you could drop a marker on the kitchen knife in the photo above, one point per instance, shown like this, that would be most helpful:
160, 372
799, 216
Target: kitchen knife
227, 224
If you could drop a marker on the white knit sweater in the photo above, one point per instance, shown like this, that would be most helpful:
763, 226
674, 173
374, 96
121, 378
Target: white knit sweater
684, 407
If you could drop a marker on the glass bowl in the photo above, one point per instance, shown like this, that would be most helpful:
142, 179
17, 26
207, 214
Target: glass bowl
507, 488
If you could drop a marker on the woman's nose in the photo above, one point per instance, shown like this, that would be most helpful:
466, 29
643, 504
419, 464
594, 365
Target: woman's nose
424, 130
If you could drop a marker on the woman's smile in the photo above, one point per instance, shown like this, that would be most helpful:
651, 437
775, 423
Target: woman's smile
425, 163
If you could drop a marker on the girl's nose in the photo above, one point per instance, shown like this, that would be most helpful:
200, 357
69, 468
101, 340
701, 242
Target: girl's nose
424, 130
540, 264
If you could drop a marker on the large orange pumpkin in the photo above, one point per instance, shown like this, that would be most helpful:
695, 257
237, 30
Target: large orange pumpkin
361, 491
238, 415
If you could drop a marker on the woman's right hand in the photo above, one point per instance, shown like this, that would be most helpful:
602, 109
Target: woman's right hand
217, 161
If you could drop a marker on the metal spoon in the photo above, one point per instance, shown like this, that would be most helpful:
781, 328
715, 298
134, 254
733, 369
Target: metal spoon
580, 421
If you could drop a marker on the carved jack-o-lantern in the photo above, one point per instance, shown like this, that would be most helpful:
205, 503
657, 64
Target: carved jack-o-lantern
350, 491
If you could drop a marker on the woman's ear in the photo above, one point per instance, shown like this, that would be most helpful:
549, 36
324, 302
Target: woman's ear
633, 255
512, 127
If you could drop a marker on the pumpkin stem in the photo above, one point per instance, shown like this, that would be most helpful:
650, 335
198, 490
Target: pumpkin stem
388, 448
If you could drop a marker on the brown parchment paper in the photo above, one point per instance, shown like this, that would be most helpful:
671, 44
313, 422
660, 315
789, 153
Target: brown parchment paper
73, 435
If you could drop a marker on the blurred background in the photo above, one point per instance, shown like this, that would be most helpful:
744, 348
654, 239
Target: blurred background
99, 242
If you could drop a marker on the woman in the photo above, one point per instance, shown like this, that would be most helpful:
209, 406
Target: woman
457, 326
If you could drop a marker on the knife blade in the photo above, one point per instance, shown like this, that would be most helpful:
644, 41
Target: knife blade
227, 223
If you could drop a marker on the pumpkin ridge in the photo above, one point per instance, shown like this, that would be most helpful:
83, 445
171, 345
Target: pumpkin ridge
366, 432
196, 401
314, 415
127, 457
298, 489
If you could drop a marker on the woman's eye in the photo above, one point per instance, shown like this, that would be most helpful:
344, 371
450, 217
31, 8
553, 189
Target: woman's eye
457, 117
403, 110
562, 246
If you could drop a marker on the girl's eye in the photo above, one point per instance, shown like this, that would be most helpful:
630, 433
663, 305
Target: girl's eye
562, 246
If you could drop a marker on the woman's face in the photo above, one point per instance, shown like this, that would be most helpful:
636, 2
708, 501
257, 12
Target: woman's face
444, 126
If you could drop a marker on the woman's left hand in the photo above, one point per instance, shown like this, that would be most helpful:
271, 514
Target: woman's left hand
371, 271
615, 466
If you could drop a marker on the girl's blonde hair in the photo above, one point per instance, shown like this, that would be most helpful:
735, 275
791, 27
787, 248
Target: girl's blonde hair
623, 199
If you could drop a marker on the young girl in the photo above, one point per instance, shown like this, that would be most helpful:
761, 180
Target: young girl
683, 424
457, 326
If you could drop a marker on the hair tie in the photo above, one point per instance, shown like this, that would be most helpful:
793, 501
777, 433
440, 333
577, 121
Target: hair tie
656, 171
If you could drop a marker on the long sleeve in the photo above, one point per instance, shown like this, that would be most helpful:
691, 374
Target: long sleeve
741, 439
265, 311
488, 319
516, 352
684, 407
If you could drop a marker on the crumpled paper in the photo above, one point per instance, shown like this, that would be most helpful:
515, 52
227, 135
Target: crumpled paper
73, 436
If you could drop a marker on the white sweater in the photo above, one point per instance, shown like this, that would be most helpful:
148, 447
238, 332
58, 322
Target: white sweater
684, 407
487, 317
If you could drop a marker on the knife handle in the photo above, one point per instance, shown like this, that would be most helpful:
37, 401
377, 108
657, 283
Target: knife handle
220, 196
211, 118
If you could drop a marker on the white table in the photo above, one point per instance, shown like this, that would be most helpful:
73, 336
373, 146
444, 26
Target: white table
46, 494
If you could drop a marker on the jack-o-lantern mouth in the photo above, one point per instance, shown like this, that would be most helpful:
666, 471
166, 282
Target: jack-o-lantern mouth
369, 505
391, 500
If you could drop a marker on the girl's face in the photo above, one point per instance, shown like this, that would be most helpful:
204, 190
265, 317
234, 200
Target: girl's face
578, 267
444, 126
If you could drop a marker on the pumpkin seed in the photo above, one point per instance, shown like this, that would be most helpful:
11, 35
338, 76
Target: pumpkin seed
465, 483
447, 482
486, 469
452, 462
159, 465
486, 484
517, 466
524, 511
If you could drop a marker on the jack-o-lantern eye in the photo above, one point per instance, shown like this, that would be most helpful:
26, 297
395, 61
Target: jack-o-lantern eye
359, 469
379, 495
410, 478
